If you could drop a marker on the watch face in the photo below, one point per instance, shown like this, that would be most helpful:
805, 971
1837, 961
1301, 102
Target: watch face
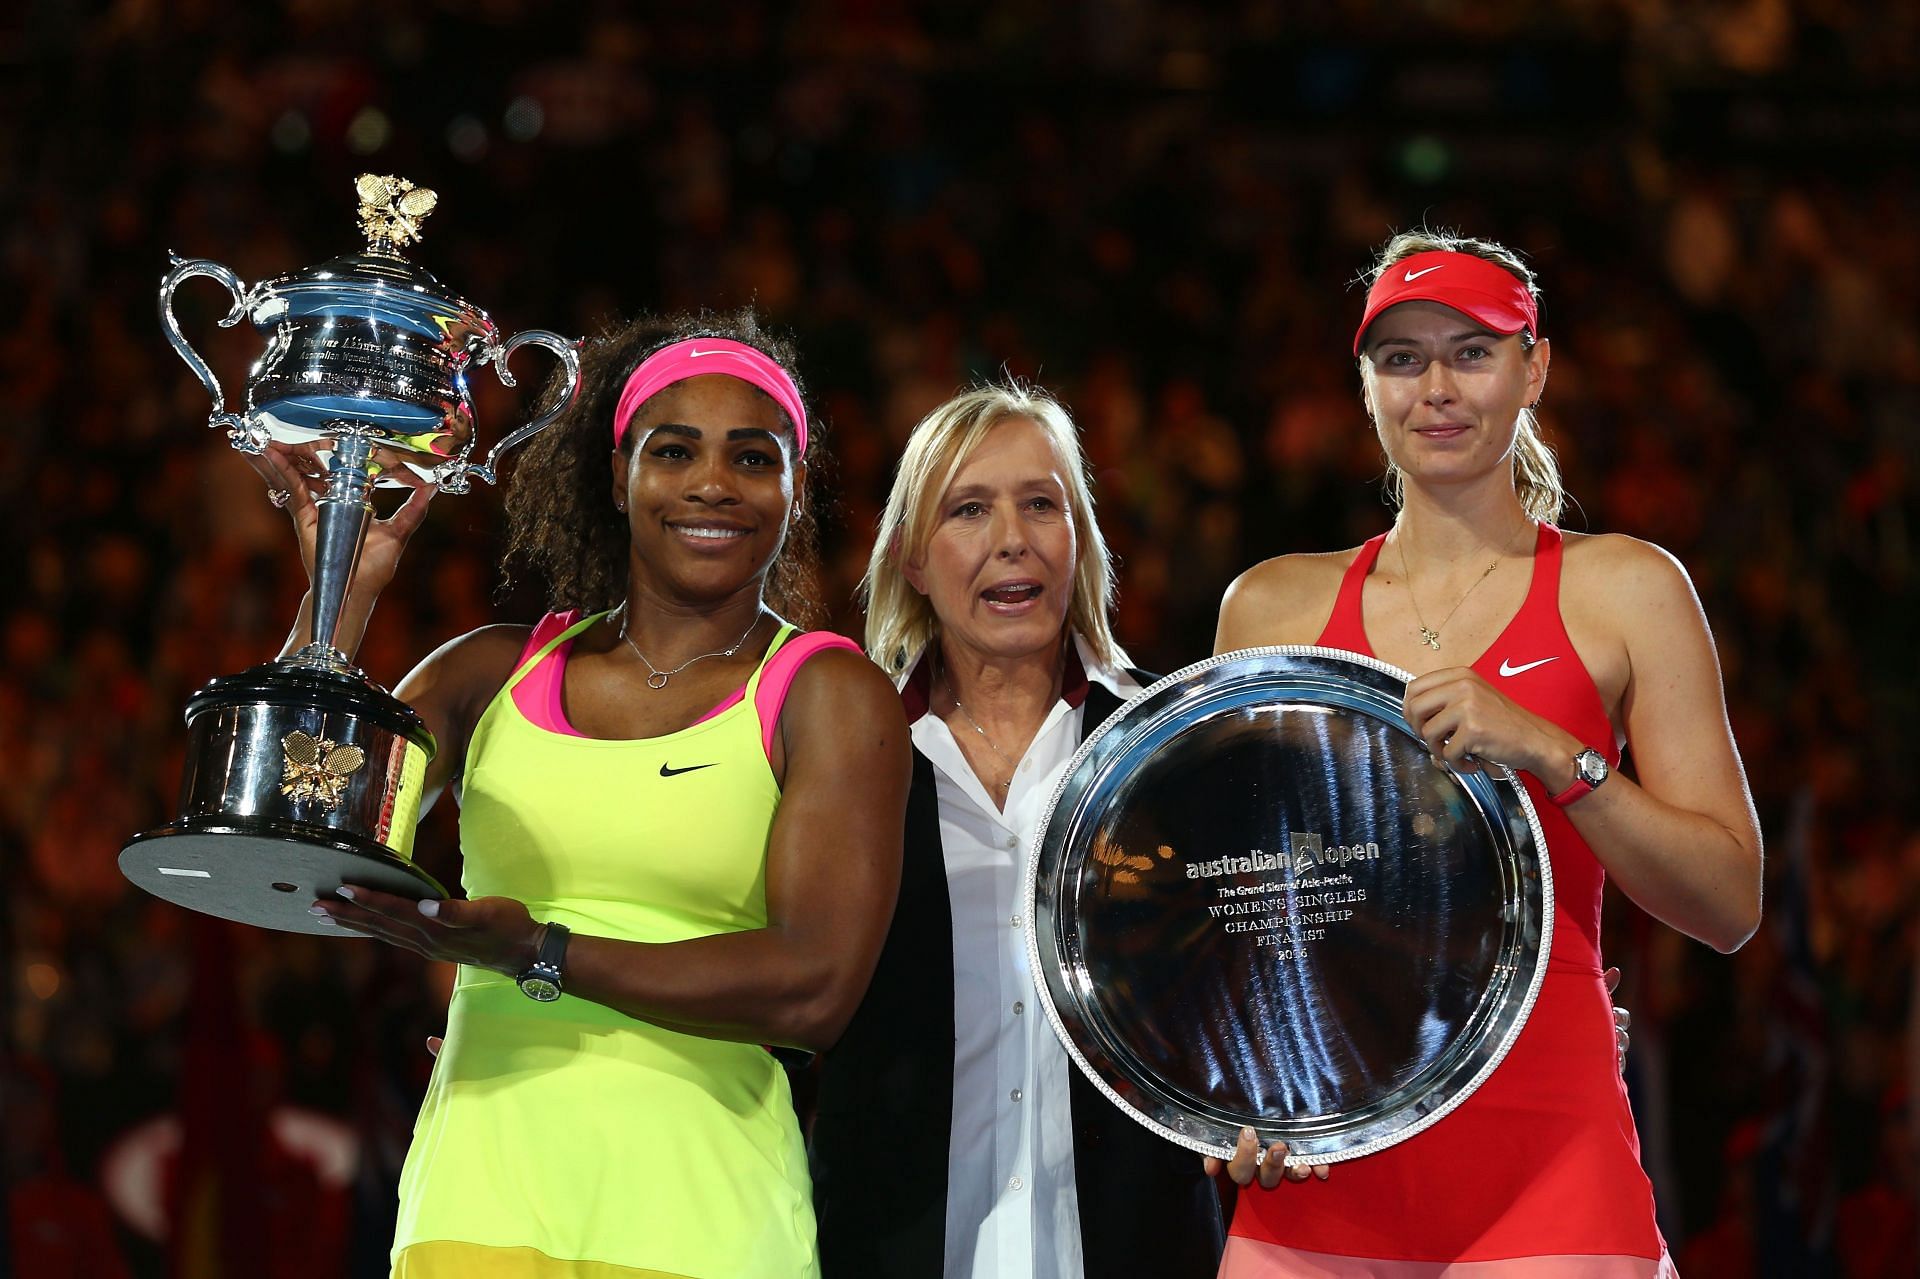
1592, 767
540, 988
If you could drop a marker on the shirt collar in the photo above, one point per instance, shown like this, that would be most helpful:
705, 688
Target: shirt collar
1083, 671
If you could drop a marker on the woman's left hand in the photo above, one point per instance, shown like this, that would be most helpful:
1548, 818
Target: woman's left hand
1250, 1164
1466, 721
487, 932
1622, 1019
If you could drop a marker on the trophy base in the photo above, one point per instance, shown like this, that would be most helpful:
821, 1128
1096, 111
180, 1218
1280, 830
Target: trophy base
265, 872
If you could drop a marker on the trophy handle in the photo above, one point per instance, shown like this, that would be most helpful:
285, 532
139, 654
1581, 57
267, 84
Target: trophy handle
245, 438
452, 476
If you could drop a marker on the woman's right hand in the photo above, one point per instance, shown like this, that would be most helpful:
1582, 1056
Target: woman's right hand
1247, 1164
299, 471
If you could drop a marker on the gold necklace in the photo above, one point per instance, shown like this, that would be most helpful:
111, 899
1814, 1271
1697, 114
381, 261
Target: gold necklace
657, 678
1430, 635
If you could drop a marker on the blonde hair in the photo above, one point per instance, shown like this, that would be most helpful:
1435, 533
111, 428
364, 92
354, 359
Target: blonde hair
1536, 472
900, 620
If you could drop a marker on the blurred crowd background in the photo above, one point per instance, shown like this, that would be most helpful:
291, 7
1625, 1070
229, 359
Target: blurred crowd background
1158, 210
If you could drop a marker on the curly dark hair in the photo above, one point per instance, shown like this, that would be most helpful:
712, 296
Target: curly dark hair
562, 525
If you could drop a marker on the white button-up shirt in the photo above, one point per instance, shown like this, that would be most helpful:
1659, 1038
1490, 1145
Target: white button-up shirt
1012, 1212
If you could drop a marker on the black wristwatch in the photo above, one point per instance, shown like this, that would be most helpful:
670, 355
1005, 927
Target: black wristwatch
543, 980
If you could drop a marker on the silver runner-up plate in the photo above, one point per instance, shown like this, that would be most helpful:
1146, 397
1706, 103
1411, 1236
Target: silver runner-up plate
1259, 902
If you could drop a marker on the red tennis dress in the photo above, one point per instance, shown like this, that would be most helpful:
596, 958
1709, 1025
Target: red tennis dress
1538, 1173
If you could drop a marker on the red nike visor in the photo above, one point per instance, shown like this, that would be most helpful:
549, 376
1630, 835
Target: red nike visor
1473, 286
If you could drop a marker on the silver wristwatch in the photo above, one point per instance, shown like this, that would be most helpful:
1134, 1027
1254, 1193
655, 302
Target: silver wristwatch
1589, 770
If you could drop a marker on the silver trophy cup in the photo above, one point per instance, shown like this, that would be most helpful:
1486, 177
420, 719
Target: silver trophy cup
302, 774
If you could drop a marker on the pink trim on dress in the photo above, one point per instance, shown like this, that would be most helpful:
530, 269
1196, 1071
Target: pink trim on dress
778, 675
538, 694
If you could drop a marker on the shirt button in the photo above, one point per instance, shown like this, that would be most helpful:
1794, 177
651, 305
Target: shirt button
1013, 1183
1014, 1095
1016, 921
1013, 841
1019, 1006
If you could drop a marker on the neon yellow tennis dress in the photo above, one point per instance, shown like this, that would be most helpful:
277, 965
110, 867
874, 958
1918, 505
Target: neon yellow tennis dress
566, 1140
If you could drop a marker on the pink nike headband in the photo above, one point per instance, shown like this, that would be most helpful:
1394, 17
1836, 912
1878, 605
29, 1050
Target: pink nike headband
696, 357
1482, 290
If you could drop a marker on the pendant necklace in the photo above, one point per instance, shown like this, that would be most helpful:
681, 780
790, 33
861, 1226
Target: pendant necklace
657, 678
1002, 786
1430, 635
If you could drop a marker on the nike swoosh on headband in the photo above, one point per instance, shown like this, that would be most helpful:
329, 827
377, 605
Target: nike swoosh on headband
1414, 275
1509, 670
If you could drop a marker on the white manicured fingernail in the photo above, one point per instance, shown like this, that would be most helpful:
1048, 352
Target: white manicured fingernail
327, 920
344, 891
430, 908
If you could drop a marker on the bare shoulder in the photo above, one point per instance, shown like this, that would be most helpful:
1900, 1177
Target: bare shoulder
468, 667
1613, 570
454, 683
1288, 572
842, 718
841, 684
487, 649
1284, 600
